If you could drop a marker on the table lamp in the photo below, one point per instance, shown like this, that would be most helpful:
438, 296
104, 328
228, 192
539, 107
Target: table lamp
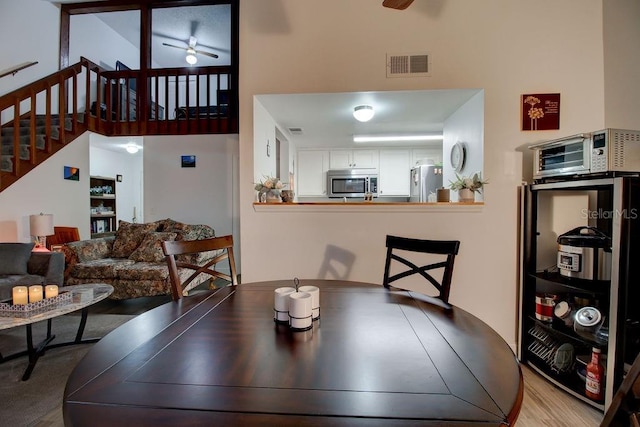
40, 227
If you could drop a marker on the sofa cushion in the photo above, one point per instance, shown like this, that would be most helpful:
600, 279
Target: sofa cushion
150, 250
128, 238
90, 250
194, 232
107, 268
14, 258
144, 271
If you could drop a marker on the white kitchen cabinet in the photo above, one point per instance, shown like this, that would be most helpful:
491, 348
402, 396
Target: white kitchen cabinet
353, 159
433, 154
394, 172
312, 170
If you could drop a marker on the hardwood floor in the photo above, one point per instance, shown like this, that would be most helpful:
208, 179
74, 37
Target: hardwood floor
547, 405
543, 405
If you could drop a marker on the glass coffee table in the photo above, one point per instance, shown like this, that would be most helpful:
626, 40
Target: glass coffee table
82, 297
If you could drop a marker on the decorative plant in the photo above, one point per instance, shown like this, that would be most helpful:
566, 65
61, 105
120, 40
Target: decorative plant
269, 184
473, 183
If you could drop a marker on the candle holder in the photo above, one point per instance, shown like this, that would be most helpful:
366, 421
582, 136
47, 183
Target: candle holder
8, 309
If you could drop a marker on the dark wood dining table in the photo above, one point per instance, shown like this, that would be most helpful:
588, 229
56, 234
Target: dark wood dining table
376, 357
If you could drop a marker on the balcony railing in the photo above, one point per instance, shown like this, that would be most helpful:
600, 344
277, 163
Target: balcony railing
168, 101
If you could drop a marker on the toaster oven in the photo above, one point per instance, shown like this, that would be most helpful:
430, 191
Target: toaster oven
600, 152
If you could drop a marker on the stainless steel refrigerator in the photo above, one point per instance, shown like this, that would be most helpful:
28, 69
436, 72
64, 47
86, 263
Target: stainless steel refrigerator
425, 179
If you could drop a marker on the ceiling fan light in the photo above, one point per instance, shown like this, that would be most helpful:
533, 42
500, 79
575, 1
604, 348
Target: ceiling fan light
363, 113
191, 56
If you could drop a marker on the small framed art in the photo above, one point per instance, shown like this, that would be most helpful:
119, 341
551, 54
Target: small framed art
188, 161
71, 173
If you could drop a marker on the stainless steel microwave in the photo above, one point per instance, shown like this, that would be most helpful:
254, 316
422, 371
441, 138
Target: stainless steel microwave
603, 151
352, 182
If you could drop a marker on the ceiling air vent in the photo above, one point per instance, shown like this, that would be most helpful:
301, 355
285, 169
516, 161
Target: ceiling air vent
295, 131
408, 65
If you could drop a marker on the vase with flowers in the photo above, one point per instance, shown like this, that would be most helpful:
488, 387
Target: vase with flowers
468, 186
269, 190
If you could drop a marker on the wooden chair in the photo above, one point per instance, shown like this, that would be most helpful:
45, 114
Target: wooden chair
183, 247
625, 405
62, 235
449, 248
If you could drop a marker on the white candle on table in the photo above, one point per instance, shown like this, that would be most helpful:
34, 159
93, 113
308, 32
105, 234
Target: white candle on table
281, 304
300, 310
315, 299
20, 295
51, 291
35, 293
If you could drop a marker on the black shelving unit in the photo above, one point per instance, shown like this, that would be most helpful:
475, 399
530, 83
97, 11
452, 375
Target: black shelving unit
614, 208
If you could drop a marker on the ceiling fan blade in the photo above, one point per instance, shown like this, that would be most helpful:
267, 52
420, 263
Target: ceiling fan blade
201, 52
172, 45
397, 4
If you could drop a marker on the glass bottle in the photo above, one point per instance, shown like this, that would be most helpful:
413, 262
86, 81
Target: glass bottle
594, 386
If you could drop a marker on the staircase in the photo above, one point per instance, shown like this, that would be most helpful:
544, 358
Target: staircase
24, 130
31, 130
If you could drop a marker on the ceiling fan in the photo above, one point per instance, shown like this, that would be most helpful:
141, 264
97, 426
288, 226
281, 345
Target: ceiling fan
191, 50
397, 4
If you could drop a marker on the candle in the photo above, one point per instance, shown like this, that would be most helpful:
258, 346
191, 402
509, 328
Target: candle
300, 311
35, 293
315, 299
51, 291
281, 304
20, 295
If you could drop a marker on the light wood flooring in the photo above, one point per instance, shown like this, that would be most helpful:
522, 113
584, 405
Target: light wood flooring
544, 405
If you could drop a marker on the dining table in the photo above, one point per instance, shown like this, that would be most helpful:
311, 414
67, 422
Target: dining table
373, 357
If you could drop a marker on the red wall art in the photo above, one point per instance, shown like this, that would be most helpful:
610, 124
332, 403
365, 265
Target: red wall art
540, 111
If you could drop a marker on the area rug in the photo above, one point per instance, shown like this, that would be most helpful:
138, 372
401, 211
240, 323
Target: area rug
24, 402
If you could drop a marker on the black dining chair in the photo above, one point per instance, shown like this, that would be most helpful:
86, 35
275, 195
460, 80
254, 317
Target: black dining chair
398, 249
175, 252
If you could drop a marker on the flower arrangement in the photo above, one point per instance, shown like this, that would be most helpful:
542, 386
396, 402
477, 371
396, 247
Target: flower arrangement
473, 183
269, 184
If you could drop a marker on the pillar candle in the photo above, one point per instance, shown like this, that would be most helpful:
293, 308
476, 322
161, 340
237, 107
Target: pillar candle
35, 293
20, 295
300, 311
315, 299
281, 304
51, 291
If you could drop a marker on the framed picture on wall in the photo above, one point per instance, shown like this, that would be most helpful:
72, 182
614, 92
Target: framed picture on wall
188, 161
71, 173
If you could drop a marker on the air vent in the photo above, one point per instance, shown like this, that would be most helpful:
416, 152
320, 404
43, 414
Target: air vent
295, 131
408, 65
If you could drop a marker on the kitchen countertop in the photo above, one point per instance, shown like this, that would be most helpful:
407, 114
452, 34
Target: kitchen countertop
361, 206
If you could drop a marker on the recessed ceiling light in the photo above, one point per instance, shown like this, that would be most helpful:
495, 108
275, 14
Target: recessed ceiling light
363, 113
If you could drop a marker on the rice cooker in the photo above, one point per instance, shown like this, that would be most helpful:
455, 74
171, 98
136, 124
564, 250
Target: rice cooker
585, 253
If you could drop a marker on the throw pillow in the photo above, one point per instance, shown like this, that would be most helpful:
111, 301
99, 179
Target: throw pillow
14, 258
150, 250
128, 238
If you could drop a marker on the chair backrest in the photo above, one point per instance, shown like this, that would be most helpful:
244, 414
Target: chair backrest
63, 235
448, 248
183, 247
625, 404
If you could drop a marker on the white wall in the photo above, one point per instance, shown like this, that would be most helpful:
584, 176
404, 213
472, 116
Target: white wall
92, 38
264, 132
110, 163
23, 35
200, 195
44, 190
505, 48
621, 63
466, 125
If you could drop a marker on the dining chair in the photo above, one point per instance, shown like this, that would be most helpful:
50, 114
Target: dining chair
62, 235
625, 405
178, 265
398, 249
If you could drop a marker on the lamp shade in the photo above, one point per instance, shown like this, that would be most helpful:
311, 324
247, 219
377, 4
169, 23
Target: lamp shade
363, 113
41, 225
191, 56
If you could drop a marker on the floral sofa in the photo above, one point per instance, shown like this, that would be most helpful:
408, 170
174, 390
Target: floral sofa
132, 261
